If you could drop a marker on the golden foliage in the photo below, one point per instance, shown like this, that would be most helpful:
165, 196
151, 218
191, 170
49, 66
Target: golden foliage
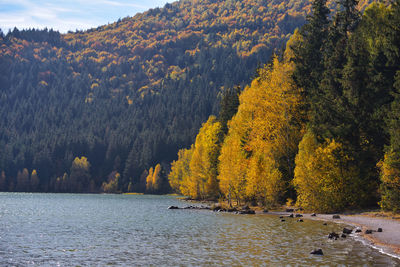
263, 136
204, 161
180, 171
325, 179
390, 178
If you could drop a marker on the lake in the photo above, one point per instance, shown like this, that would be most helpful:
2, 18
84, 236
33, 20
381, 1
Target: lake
126, 230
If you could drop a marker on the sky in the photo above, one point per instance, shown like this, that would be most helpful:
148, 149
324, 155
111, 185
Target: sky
69, 15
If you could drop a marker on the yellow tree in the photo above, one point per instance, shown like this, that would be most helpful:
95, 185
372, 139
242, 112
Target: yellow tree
203, 181
157, 179
390, 178
264, 134
264, 180
34, 181
180, 171
325, 179
232, 168
80, 174
149, 180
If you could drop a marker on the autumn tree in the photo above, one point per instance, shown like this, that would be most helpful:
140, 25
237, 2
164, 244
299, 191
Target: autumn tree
202, 182
324, 178
112, 185
23, 181
149, 180
257, 158
80, 175
34, 181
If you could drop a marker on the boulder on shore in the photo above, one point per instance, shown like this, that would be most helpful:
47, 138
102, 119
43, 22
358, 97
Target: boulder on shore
317, 252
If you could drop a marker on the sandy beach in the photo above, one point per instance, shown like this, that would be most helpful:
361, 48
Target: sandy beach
388, 241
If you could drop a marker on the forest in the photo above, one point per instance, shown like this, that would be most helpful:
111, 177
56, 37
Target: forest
93, 111
318, 127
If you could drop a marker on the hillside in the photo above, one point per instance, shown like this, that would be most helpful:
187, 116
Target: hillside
318, 128
126, 95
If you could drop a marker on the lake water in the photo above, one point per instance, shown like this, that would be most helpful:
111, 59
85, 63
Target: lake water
126, 230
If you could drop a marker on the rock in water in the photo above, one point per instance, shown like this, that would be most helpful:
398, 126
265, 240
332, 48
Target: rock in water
347, 231
317, 252
300, 220
247, 212
358, 231
313, 215
173, 208
299, 215
343, 236
368, 232
333, 235
335, 216
380, 230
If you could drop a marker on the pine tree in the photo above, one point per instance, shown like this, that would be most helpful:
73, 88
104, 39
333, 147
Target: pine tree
228, 106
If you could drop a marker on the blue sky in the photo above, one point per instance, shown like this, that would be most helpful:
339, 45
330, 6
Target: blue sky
64, 15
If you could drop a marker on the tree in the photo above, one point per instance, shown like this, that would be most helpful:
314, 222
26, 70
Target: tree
149, 180
80, 175
324, 179
180, 171
23, 181
3, 182
390, 166
112, 185
34, 181
232, 168
228, 106
308, 52
157, 182
257, 157
204, 162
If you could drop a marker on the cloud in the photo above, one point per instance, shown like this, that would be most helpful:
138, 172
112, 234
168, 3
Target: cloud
121, 4
69, 15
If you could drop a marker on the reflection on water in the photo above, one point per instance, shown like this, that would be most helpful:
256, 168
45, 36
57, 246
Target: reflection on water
70, 229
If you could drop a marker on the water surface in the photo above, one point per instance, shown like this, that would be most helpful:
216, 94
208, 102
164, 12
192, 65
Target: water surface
87, 230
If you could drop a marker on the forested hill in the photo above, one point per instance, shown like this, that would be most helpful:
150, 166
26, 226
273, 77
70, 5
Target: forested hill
104, 105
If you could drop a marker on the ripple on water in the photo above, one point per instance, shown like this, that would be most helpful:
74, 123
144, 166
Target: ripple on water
68, 229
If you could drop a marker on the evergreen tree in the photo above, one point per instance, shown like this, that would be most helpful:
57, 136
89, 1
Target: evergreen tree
228, 106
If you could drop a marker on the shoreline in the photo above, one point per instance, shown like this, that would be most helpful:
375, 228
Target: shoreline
387, 241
